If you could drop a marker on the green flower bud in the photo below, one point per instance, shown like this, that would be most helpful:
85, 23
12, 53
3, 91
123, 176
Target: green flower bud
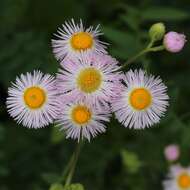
56, 186
157, 31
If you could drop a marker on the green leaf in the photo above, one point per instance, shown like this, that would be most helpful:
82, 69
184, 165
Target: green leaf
164, 13
126, 44
56, 186
130, 21
130, 161
131, 17
117, 36
76, 186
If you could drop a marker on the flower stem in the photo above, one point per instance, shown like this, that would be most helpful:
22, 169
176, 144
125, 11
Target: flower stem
152, 41
144, 51
131, 60
157, 48
66, 170
73, 165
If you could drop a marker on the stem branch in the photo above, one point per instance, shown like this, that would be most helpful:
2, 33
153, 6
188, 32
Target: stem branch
144, 51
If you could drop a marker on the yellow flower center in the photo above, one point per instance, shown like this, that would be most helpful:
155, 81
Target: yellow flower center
89, 80
34, 97
81, 41
140, 98
184, 181
81, 114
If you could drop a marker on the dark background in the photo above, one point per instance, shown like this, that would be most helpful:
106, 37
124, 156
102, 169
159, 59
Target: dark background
121, 158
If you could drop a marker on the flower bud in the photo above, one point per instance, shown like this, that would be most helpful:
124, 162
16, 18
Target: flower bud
172, 152
157, 31
174, 42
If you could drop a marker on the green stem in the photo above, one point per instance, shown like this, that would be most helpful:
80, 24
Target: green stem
66, 170
73, 166
151, 43
157, 48
144, 51
131, 60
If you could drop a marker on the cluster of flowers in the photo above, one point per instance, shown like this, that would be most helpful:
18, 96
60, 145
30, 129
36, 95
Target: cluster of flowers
87, 89
179, 176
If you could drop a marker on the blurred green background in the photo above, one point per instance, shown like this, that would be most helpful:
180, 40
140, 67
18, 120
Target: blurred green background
121, 158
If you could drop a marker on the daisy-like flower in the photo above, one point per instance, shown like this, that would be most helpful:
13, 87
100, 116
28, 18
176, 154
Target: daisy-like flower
178, 178
74, 38
81, 120
32, 100
140, 101
90, 77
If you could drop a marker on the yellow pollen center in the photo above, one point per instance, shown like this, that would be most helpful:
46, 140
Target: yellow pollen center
89, 80
184, 181
81, 41
140, 98
34, 97
81, 114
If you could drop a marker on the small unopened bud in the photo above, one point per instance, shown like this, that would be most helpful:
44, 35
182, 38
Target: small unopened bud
174, 42
172, 152
157, 31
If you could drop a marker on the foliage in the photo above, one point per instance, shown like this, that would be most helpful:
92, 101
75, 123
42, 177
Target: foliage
34, 160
